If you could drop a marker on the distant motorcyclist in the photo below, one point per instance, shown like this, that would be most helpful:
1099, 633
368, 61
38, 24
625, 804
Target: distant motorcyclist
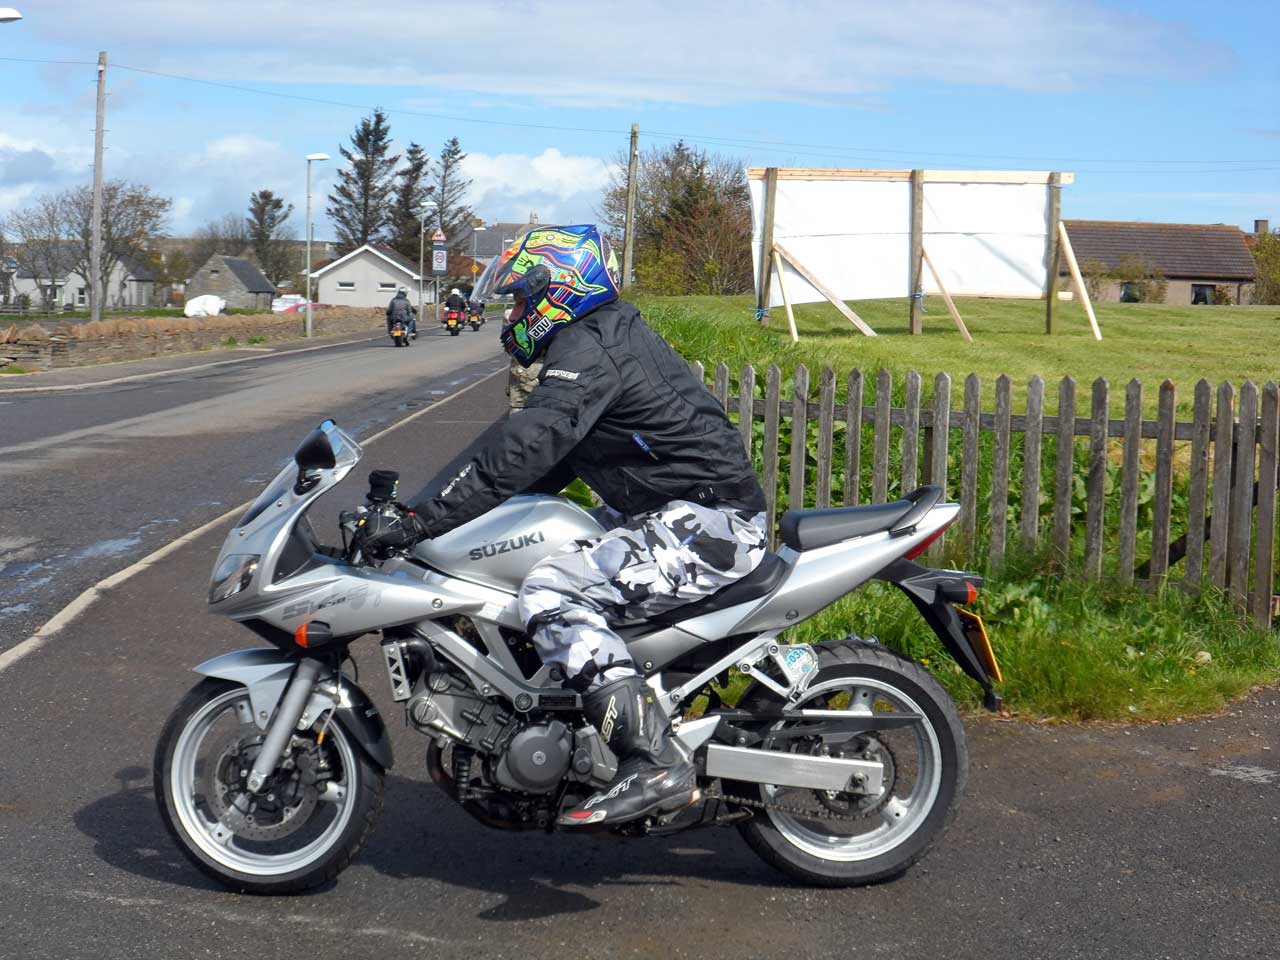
456, 301
401, 310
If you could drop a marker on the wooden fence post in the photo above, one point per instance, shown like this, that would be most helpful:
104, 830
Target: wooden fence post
1264, 558
1096, 484
853, 439
940, 443
772, 398
1065, 471
969, 462
910, 433
880, 454
746, 404
999, 508
799, 435
1241, 529
1198, 488
1129, 480
826, 430
721, 385
1162, 501
1220, 519
1031, 444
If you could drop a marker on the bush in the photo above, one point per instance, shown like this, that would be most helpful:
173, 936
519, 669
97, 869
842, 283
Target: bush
1222, 296
1097, 278
1152, 285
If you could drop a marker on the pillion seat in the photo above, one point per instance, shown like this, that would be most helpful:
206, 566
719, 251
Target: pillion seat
811, 529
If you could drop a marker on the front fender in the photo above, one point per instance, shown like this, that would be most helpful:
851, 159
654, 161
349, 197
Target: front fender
265, 672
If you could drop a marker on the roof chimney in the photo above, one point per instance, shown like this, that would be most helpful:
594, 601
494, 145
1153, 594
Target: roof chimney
1261, 226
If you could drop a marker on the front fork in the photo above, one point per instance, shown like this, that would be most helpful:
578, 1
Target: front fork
292, 706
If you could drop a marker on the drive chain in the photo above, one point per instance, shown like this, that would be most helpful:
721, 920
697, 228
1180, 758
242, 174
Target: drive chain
788, 808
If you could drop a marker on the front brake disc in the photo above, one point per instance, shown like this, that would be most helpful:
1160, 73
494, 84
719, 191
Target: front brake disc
285, 803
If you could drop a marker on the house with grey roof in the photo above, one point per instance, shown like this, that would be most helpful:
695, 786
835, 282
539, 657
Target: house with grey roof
55, 282
1197, 259
235, 280
369, 276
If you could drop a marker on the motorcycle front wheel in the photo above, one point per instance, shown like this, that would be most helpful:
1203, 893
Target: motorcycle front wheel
831, 838
305, 826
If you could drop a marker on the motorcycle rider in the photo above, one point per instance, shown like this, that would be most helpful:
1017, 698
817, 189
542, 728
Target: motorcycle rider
456, 301
616, 406
402, 310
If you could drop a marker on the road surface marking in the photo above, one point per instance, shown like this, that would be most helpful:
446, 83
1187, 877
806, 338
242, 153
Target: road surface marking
68, 614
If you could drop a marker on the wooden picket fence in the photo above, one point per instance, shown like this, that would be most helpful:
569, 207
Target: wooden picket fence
1223, 463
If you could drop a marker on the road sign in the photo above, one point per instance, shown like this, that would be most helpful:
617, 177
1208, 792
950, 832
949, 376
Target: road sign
440, 261
438, 236
475, 268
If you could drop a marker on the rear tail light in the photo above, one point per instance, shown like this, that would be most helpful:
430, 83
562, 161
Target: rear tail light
928, 541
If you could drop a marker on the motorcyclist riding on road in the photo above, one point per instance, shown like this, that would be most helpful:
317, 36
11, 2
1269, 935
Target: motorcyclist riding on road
456, 301
401, 309
616, 406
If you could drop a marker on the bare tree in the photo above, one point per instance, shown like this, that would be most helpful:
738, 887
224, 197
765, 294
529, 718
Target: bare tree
8, 264
41, 243
132, 217
228, 235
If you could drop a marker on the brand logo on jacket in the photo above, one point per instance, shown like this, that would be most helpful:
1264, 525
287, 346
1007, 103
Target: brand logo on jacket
562, 374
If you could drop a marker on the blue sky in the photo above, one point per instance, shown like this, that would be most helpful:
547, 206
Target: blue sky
1165, 111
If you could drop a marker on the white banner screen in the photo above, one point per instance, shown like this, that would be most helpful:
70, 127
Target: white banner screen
985, 237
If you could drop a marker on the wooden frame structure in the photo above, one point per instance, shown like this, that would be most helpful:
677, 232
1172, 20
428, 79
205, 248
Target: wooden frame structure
772, 253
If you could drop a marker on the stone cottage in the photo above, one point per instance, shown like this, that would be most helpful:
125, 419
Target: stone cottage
237, 281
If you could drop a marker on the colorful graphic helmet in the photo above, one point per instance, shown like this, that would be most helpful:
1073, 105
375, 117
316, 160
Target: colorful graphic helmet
557, 275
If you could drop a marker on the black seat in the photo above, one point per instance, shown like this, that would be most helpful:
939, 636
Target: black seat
811, 529
759, 582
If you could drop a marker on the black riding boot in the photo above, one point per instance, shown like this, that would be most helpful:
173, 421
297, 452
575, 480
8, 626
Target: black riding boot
654, 775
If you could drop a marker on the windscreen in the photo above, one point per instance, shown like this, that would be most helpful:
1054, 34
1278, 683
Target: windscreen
346, 454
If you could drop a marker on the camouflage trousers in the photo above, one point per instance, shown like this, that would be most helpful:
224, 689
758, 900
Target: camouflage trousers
645, 565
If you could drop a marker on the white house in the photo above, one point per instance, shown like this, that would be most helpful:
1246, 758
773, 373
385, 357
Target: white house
131, 284
368, 276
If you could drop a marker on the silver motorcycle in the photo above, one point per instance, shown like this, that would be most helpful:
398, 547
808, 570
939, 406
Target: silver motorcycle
839, 762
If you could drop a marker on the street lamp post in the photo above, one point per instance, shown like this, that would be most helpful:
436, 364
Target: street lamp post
422, 243
311, 157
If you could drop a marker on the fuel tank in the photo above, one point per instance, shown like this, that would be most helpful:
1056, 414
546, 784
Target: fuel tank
498, 548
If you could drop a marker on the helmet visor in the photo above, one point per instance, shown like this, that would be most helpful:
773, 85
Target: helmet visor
500, 273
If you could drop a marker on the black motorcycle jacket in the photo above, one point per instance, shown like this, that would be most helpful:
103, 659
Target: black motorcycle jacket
616, 406
455, 302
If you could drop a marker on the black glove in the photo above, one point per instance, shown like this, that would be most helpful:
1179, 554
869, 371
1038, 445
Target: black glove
387, 529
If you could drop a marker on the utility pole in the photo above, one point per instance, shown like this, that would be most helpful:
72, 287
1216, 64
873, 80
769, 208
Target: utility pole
629, 229
95, 236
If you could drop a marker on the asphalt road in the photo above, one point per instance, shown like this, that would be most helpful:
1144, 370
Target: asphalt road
1072, 843
95, 478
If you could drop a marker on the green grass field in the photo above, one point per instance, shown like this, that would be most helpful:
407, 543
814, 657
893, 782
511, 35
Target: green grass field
1071, 650
1152, 342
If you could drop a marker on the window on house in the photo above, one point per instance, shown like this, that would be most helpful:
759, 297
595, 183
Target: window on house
387, 286
80, 297
213, 273
1130, 293
1201, 293
346, 284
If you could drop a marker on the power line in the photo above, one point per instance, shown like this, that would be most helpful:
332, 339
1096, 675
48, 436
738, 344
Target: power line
823, 151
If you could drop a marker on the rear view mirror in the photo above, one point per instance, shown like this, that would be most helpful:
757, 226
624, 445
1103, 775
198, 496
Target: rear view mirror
316, 452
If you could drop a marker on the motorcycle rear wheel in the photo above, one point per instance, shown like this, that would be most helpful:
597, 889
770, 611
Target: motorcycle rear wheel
811, 849
254, 865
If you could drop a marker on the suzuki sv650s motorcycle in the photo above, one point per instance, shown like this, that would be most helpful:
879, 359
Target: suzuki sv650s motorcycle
840, 763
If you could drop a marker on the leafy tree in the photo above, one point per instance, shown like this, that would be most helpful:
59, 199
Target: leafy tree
1266, 252
360, 205
270, 235
411, 192
228, 235
453, 215
693, 221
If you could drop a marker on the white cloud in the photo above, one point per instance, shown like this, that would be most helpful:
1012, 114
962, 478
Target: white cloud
559, 188
636, 51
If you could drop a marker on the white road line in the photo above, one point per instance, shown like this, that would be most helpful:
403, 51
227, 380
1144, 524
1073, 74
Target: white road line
176, 370
68, 614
